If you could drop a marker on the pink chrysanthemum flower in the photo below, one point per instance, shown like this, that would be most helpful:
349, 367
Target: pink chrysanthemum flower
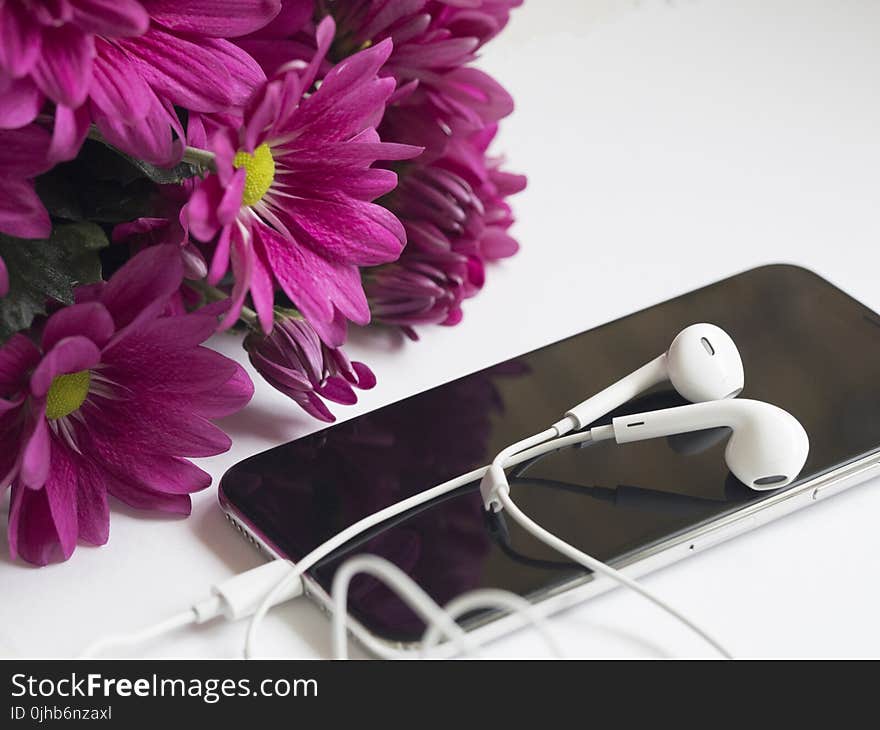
112, 400
456, 218
124, 64
291, 200
435, 42
293, 360
426, 286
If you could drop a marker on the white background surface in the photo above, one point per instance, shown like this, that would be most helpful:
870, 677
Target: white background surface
667, 145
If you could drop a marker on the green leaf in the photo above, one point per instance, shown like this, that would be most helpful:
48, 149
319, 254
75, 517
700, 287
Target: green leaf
165, 175
97, 186
111, 203
60, 196
161, 175
41, 270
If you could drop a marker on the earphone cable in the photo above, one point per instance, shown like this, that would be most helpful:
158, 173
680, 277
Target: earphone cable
591, 563
254, 592
440, 621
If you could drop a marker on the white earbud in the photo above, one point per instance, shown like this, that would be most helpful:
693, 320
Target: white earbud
702, 363
767, 449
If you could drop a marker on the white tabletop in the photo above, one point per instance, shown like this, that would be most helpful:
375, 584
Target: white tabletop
667, 145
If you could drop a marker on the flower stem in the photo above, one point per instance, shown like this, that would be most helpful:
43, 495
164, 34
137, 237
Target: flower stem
198, 156
213, 294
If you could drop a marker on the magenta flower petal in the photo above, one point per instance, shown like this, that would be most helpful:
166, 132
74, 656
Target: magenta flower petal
312, 404
139, 290
324, 35
32, 534
23, 151
4, 279
92, 510
201, 214
221, 18
230, 203
245, 74
166, 475
286, 379
20, 39
134, 495
498, 244
117, 90
270, 45
366, 379
180, 372
172, 334
241, 258
234, 395
294, 14
61, 493
316, 285
90, 320
220, 260
156, 427
37, 454
64, 69
353, 232
69, 133
123, 231
113, 18
264, 111
18, 356
473, 93
337, 390
262, 291
353, 108
205, 76
69, 355
149, 138
23, 155
22, 214
21, 103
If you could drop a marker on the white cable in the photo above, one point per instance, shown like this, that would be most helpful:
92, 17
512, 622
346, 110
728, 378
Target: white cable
234, 598
409, 591
439, 621
494, 477
178, 621
495, 490
255, 591
280, 580
598, 566
498, 599
294, 575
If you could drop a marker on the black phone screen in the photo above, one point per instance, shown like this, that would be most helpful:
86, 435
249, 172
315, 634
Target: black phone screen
806, 347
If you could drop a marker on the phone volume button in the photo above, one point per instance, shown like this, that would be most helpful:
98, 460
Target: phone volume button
838, 485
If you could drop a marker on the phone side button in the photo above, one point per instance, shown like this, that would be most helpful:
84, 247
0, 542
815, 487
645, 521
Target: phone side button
838, 485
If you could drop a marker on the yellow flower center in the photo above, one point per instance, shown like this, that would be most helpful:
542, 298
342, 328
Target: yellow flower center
259, 173
67, 393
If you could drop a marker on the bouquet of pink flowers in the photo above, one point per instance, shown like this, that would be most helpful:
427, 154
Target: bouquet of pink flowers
175, 168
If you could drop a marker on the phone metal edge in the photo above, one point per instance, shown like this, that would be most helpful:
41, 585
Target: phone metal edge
637, 564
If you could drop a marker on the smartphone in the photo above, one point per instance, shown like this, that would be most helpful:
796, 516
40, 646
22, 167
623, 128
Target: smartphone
806, 346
